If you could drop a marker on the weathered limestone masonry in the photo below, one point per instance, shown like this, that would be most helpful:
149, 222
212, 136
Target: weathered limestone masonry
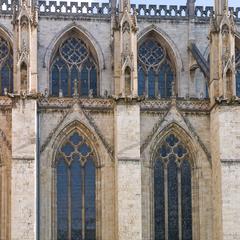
23, 181
226, 178
127, 127
128, 172
225, 122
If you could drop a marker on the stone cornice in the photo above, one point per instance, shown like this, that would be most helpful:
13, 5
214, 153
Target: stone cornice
87, 103
195, 105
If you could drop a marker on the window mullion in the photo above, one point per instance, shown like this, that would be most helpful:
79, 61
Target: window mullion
0, 79
69, 205
83, 202
179, 204
166, 199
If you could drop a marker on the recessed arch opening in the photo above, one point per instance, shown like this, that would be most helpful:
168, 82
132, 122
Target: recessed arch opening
74, 66
156, 67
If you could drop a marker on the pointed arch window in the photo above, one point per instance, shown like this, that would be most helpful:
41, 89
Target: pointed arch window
237, 57
155, 72
76, 190
74, 66
6, 67
172, 191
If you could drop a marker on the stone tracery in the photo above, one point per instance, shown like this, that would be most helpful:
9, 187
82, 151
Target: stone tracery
172, 190
72, 62
155, 73
6, 67
75, 185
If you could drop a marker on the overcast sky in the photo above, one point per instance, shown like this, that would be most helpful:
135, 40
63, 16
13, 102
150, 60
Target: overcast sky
234, 3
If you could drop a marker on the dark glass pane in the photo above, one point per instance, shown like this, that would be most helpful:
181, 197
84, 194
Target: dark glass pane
171, 140
76, 199
186, 200
93, 81
172, 200
206, 90
74, 76
55, 81
161, 83
67, 149
151, 84
141, 82
238, 83
90, 211
150, 52
159, 201
169, 81
76, 139
64, 80
74, 50
164, 150
5, 76
180, 150
84, 149
84, 82
62, 200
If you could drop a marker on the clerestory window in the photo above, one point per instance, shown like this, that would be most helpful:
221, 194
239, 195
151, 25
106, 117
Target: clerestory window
237, 57
74, 71
155, 72
172, 191
6, 67
76, 189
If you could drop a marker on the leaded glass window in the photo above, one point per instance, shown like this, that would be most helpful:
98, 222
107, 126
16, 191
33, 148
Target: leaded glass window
237, 57
155, 72
76, 190
73, 66
172, 191
6, 67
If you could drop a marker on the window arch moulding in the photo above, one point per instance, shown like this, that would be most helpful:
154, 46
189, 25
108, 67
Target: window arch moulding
6, 63
74, 69
83, 34
75, 146
174, 150
172, 52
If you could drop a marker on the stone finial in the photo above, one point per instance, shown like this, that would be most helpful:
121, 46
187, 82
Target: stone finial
125, 5
60, 93
191, 7
5, 91
75, 90
90, 93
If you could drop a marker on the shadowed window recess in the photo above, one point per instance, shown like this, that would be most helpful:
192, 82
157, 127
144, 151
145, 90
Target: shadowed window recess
172, 191
237, 57
74, 71
76, 190
6, 67
155, 72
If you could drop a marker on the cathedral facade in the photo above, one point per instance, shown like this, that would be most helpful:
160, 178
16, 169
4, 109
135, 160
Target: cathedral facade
119, 121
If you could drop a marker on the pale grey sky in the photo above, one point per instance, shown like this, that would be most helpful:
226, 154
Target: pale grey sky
234, 3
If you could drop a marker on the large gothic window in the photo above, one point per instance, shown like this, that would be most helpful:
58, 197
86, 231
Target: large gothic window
237, 53
74, 71
6, 67
76, 189
172, 191
155, 72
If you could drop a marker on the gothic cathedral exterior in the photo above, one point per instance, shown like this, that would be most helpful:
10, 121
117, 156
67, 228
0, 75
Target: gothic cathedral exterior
118, 121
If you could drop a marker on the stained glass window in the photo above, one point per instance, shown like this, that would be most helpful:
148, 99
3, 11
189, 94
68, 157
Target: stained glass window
6, 67
172, 191
76, 177
73, 62
155, 68
237, 57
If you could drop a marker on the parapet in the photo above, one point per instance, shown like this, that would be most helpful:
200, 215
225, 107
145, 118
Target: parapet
75, 9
